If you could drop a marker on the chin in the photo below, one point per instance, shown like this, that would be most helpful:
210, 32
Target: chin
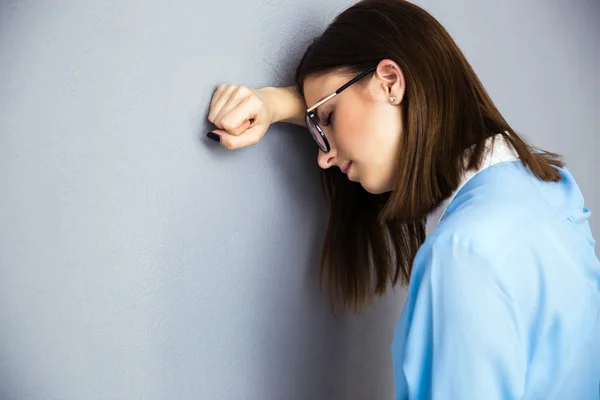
374, 189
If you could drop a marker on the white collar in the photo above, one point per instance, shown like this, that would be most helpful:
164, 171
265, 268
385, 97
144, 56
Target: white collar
496, 151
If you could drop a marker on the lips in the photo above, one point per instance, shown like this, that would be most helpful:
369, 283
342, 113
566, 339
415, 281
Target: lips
346, 167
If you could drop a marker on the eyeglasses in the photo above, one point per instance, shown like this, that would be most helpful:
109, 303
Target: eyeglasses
311, 117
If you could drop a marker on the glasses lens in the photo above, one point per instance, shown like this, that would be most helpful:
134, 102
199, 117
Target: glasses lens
316, 134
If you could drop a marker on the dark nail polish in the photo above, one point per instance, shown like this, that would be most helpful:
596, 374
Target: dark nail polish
213, 136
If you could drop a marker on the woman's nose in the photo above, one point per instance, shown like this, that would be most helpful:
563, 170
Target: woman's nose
326, 160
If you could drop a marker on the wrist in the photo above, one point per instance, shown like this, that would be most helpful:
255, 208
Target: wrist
285, 104
269, 96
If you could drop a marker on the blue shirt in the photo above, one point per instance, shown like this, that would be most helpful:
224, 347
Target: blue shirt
504, 297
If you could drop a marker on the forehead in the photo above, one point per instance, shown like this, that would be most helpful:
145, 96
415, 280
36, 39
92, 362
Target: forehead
317, 87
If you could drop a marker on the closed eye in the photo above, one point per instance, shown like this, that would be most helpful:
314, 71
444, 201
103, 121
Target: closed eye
328, 119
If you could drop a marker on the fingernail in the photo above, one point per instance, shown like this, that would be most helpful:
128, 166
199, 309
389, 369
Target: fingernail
213, 136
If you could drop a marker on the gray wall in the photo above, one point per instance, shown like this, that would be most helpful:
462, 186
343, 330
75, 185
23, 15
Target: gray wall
139, 261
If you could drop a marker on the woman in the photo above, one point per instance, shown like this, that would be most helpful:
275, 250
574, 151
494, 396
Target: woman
504, 292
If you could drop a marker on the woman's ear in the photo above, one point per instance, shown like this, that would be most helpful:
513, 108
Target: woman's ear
391, 79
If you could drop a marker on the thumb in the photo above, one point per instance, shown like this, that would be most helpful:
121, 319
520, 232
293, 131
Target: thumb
249, 137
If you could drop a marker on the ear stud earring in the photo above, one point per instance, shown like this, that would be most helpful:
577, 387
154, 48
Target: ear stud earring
392, 99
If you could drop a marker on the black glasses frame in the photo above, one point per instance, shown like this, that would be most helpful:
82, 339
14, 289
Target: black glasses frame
311, 114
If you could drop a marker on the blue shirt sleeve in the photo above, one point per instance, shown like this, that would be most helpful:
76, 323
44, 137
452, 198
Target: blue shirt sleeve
463, 339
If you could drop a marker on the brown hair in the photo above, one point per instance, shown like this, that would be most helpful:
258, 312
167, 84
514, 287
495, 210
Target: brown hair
372, 239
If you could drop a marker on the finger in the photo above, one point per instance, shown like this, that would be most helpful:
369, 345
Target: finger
236, 97
250, 137
212, 111
234, 121
220, 89
217, 134
219, 99
242, 128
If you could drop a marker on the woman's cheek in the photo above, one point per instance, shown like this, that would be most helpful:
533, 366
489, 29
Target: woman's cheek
351, 132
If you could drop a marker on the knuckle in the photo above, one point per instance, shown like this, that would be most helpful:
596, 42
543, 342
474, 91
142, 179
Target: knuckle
242, 91
255, 102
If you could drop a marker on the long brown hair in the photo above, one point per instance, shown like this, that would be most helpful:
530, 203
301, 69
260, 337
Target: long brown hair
371, 240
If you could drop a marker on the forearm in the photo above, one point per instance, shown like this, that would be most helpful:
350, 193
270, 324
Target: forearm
289, 106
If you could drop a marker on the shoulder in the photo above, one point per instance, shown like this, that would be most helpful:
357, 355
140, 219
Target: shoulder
502, 212
501, 206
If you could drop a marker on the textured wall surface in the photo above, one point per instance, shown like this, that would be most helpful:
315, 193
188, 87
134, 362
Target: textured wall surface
139, 261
